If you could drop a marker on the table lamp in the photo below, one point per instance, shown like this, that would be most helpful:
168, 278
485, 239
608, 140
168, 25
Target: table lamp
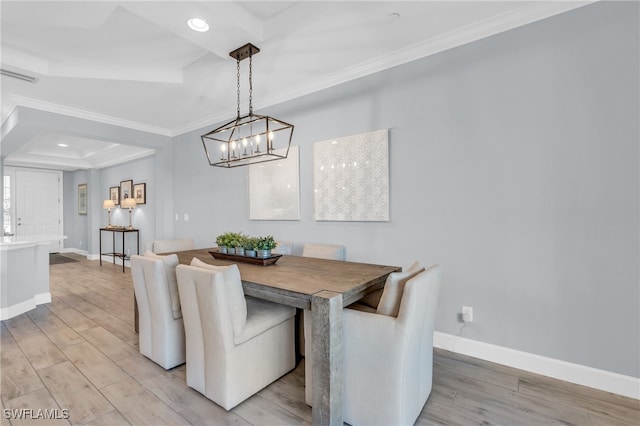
129, 203
108, 205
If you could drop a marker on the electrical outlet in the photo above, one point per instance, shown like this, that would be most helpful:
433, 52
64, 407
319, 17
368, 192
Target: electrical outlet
467, 314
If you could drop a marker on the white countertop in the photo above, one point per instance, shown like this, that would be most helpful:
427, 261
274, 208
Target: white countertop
7, 243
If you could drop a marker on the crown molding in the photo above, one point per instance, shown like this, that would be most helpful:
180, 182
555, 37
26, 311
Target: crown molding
526, 14
24, 101
210, 121
124, 159
65, 164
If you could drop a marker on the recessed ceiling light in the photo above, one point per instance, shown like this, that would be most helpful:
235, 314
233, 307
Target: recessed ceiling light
63, 145
198, 24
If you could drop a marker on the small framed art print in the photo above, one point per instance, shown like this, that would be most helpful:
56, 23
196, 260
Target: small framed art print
114, 195
126, 189
140, 193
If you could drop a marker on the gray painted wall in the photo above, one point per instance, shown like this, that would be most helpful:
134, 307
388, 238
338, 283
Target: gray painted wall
143, 216
82, 231
514, 163
153, 219
76, 227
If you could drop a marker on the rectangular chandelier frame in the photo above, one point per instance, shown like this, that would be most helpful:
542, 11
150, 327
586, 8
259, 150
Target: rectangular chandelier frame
249, 139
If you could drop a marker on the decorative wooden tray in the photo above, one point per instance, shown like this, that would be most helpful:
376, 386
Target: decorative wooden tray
262, 261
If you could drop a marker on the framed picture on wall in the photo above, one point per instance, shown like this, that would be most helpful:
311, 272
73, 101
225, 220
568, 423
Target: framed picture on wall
126, 189
114, 195
140, 193
82, 199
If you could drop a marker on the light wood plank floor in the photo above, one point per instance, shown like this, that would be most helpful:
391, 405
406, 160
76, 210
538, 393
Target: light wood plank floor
79, 353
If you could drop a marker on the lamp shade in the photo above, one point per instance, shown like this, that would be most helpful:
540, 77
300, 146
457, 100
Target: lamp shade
108, 204
129, 203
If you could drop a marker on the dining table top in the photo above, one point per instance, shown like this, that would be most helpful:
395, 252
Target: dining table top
300, 277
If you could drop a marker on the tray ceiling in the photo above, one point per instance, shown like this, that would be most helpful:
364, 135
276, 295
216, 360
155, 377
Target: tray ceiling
138, 65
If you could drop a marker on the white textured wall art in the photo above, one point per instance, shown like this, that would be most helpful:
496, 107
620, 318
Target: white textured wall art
351, 178
274, 189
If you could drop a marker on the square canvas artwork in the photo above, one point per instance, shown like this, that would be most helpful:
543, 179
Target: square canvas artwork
351, 178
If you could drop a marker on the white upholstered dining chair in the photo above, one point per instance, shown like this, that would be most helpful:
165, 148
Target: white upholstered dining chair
170, 246
388, 360
161, 329
236, 345
324, 251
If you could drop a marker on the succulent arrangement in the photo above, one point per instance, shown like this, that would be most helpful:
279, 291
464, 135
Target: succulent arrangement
239, 243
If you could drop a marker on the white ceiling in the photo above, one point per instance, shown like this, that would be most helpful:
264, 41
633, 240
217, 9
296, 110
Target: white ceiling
138, 65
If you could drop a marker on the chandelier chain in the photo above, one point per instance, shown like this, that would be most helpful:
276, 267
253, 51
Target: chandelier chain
250, 83
238, 86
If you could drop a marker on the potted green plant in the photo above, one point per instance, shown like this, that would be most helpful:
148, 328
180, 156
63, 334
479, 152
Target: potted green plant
265, 245
250, 246
222, 241
240, 240
232, 242
228, 242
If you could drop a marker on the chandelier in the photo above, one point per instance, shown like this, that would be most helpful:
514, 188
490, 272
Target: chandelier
250, 138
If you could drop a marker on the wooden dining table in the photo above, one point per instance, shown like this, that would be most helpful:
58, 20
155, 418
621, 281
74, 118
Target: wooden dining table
322, 286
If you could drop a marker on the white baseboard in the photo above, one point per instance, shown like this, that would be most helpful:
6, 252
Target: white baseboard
41, 298
574, 373
74, 250
25, 306
17, 309
105, 258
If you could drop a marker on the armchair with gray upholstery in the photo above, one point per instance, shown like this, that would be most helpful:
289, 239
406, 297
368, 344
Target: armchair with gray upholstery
236, 345
161, 329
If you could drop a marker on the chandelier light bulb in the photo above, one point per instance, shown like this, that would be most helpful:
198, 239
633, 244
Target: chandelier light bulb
270, 141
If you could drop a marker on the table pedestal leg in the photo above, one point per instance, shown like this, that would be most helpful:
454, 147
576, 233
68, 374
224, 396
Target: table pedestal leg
326, 334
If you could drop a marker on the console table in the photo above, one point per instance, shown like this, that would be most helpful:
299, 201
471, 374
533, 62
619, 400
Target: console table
123, 254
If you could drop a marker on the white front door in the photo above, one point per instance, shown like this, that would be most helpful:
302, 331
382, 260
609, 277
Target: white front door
38, 204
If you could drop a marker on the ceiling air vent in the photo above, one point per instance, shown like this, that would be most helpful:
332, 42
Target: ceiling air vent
19, 76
